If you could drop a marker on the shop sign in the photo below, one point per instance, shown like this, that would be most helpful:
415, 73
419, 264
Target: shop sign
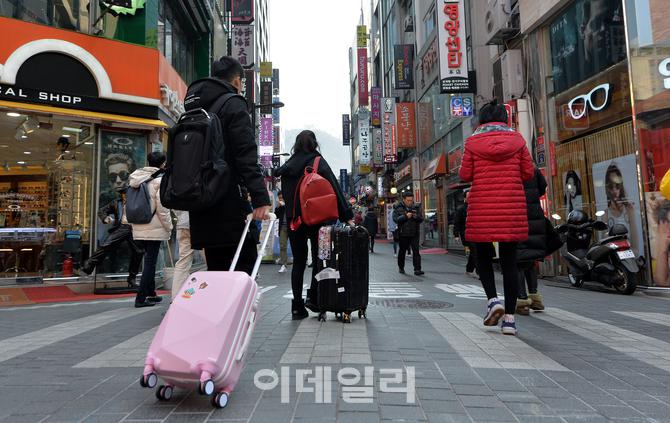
365, 151
266, 97
416, 170
453, 50
276, 139
265, 141
248, 87
171, 102
403, 172
346, 130
454, 159
597, 99
376, 106
417, 191
461, 106
363, 76
406, 124
275, 111
378, 143
275, 81
404, 64
541, 155
389, 130
552, 158
266, 69
381, 189
244, 45
429, 63
344, 180
664, 70
242, 11
361, 36
364, 170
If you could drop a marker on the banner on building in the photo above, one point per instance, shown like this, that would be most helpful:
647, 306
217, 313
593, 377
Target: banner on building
344, 180
365, 149
404, 65
363, 76
244, 45
361, 36
406, 124
461, 106
275, 81
275, 111
453, 49
381, 187
276, 139
266, 97
266, 69
378, 147
242, 11
265, 141
346, 130
388, 130
248, 87
376, 106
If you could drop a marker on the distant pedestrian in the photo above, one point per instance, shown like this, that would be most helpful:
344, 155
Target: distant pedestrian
408, 217
151, 235
370, 223
280, 212
460, 219
393, 229
497, 162
183, 266
304, 153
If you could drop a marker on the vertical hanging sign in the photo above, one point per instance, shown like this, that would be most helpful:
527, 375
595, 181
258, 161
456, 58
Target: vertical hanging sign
362, 65
265, 141
406, 124
242, 11
346, 130
453, 48
376, 106
365, 150
388, 130
378, 146
244, 45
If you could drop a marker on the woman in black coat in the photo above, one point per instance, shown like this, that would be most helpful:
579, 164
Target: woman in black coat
304, 152
534, 249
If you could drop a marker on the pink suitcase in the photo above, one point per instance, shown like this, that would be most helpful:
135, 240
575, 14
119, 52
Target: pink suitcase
205, 333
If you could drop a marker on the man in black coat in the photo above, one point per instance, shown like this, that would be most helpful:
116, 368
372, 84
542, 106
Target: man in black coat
408, 217
219, 228
534, 248
460, 219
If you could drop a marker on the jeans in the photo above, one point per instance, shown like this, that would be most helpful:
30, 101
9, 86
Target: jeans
220, 258
183, 266
507, 255
405, 244
283, 245
148, 281
527, 275
299, 240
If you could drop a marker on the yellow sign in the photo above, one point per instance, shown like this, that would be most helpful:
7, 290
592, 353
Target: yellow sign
362, 33
364, 169
266, 69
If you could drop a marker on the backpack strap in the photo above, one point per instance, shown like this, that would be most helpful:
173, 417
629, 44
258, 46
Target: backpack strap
314, 167
221, 101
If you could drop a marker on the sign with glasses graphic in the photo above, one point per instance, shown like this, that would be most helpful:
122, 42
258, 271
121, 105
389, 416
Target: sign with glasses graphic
597, 99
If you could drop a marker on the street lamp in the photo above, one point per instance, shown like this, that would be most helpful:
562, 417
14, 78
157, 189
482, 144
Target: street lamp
277, 105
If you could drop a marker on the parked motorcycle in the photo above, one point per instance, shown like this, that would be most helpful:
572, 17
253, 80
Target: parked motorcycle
609, 261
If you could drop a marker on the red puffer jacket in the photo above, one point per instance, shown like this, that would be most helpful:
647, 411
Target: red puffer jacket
497, 163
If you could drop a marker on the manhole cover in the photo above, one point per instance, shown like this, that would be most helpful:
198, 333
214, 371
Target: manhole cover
405, 303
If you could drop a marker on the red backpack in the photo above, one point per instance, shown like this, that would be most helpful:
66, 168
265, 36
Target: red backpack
318, 202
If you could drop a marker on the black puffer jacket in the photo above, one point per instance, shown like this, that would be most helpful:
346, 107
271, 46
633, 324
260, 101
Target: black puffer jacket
292, 171
222, 225
407, 228
536, 246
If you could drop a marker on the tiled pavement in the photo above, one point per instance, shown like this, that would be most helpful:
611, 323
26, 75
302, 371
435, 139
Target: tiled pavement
593, 356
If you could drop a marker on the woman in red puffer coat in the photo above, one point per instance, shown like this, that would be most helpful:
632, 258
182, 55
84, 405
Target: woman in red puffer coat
497, 162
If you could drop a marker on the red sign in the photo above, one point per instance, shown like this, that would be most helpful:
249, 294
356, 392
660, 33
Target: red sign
454, 159
362, 77
572, 124
552, 158
406, 123
510, 107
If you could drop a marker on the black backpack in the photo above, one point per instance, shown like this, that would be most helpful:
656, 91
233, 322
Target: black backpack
138, 202
197, 175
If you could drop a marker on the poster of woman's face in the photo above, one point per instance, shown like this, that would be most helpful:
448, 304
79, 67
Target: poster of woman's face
572, 190
658, 223
617, 194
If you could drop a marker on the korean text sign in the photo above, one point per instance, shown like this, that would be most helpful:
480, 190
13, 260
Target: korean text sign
364, 145
406, 124
453, 49
265, 141
243, 44
389, 130
376, 106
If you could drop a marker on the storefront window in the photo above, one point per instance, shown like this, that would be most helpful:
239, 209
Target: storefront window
66, 14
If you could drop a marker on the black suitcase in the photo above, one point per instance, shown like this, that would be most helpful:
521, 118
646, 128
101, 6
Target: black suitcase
349, 292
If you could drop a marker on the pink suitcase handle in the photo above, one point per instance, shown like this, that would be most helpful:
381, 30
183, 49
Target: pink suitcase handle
273, 220
247, 336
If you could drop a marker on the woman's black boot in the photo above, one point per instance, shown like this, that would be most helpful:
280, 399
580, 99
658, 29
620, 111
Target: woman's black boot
298, 310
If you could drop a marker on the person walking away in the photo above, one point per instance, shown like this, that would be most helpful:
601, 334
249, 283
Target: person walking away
534, 248
370, 224
183, 266
150, 235
497, 162
280, 212
218, 229
304, 153
393, 229
460, 218
407, 216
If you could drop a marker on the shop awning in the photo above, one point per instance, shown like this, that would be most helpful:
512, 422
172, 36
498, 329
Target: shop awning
436, 167
152, 123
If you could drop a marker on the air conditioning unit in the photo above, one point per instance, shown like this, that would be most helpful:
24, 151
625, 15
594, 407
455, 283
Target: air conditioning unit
508, 78
501, 20
409, 24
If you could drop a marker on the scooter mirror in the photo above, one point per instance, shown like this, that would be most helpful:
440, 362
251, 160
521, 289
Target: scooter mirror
600, 213
556, 216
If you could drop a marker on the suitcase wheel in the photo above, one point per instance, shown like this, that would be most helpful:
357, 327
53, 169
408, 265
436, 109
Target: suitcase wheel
338, 316
322, 317
362, 314
149, 381
206, 387
346, 318
164, 393
220, 400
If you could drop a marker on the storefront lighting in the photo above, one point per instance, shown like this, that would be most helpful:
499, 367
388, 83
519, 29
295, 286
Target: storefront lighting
66, 136
27, 152
394, 190
4, 146
13, 114
23, 137
21, 163
70, 129
88, 143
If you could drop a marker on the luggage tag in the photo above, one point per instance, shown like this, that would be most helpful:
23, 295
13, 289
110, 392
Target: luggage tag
327, 273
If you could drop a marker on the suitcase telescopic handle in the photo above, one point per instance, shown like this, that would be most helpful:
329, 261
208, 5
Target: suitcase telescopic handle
247, 336
273, 220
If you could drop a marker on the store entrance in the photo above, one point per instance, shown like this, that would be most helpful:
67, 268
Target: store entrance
46, 191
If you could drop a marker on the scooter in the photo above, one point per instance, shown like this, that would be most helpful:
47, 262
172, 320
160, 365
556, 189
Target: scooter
610, 261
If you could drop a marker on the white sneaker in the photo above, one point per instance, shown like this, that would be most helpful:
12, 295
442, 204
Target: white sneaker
282, 269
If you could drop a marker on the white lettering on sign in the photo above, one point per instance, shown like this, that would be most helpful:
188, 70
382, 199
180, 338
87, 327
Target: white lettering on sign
58, 98
12, 92
171, 102
664, 69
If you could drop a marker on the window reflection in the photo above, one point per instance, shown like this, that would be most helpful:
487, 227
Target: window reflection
66, 14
